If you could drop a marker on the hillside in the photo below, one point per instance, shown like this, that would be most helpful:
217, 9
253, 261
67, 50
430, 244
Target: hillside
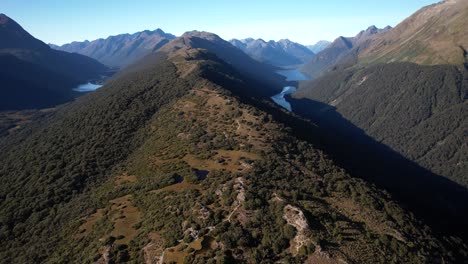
121, 50
33, 75
338, 51
436, 34
419, 111
319, 46
172, 162
281, 53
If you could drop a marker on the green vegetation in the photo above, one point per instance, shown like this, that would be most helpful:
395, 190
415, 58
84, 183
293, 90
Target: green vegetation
418, 111
120, 174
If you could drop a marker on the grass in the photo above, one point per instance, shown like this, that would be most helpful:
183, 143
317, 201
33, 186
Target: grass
124, 216
125, 178
87, 226
231, 160
179, 187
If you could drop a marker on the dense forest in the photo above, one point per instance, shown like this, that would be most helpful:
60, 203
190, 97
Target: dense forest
418, 111
163, 162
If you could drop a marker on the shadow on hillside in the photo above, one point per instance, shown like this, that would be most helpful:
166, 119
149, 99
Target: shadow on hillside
436, 199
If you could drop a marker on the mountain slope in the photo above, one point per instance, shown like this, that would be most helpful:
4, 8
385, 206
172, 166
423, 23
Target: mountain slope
121, 50
171, 161
436, 34
31, 70
281, 53
319, 46
337, 51
419, 111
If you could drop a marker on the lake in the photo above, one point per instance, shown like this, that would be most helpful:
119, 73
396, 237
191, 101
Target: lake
87, 87
291, 75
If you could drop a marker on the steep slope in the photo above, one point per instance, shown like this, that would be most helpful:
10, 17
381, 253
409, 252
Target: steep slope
436, 34
281, 53
319, 46
165, 164
121, 50
338, 51
31, 70
26, 85
419, 111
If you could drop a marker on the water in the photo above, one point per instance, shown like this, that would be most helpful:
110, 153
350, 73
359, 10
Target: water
87, 87
280, 100
291, 75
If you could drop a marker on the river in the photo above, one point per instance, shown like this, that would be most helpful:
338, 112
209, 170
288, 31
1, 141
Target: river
291, 75
87, 87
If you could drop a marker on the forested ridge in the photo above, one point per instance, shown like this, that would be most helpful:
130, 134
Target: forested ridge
164, 162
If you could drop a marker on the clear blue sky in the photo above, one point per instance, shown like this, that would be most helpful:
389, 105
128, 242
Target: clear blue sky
304, 21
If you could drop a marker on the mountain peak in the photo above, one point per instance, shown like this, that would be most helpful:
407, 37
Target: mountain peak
370, 28
14, 36
160, 31
4, 19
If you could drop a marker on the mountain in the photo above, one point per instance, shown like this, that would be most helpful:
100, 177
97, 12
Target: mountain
121, 50
281, 53
34, 75
319, 46
175, 160
419, 110
268, 82
434, 35
337, 51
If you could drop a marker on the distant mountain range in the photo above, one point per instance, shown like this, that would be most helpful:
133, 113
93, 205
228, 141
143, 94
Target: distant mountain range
319, 46
121, 50
337, 50
34, 75
281, 53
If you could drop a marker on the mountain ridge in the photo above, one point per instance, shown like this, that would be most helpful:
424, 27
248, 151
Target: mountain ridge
425, 37
338, 51
227, 166
122, 49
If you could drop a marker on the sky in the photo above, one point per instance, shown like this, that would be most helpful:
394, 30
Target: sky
303, 21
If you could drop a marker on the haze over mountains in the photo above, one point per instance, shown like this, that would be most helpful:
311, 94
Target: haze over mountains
121, 50
281, 53
182, 157
319, 46
34, 75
